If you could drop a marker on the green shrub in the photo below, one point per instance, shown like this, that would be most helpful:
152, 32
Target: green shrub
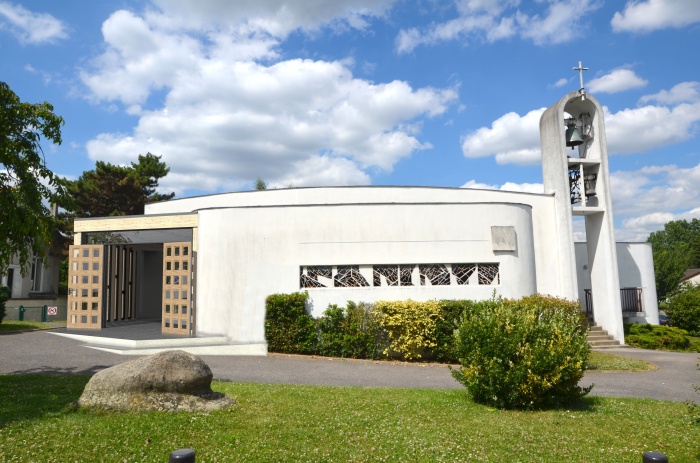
445, 349
289, 328
410, 326
5, 294
330, 328
683, 308
657, 337
351, 332
527, 353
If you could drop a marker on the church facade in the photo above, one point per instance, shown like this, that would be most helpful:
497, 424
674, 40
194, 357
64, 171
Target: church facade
204, 265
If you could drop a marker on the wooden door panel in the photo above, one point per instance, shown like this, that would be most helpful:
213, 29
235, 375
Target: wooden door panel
85, 283
177, 288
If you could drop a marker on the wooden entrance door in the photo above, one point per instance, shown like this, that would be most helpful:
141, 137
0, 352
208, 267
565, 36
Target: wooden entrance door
85, 293
177, 314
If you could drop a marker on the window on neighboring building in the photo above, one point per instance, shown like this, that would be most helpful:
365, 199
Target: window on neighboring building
37, 272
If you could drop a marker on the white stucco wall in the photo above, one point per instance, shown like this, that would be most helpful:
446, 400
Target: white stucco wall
635, 270
544, 222
248, 253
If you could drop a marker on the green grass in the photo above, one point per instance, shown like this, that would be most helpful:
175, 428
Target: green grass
8, 326
344, 424
603, 361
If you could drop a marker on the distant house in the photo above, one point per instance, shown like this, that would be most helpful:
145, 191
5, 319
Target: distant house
692, 275
37, 287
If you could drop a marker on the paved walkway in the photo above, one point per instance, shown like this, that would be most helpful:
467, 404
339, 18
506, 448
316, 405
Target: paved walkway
46, 353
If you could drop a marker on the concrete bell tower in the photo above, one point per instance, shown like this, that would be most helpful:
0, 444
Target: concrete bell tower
575, 170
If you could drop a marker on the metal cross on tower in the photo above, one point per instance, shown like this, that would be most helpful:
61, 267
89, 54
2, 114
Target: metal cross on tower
580, 70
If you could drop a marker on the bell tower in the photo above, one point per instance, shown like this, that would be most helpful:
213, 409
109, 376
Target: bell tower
575, 170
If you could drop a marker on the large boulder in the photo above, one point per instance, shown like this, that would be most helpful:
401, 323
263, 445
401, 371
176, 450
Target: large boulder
170, 381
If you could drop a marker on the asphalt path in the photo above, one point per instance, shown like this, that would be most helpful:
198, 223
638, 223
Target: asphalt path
45, 353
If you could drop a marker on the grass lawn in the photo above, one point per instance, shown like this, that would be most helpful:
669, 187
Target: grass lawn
603, 361
13, 325
305, 423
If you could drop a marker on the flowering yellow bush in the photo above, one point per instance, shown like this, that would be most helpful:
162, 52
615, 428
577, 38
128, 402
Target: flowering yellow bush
410, 325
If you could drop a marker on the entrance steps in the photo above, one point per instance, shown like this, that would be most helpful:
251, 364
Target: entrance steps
598, 338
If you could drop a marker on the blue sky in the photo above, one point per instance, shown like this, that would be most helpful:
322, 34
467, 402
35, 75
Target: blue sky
365, 92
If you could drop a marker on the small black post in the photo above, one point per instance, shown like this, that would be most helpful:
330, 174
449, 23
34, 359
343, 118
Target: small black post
182, 456
652, 457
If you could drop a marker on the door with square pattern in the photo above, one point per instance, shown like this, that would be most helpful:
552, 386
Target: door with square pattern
85, 286
177, 288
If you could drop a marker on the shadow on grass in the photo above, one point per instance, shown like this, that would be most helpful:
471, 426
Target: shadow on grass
33, 396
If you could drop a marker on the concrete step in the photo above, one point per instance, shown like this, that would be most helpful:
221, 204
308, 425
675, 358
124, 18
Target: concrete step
598, 338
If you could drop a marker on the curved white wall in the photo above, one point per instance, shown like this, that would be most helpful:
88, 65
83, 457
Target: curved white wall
247, 253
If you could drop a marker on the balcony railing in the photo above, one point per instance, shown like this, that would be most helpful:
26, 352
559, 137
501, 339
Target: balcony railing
630, 299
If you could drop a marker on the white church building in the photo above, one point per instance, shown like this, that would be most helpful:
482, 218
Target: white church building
203, 266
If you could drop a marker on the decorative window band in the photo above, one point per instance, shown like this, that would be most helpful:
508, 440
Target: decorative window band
356, 276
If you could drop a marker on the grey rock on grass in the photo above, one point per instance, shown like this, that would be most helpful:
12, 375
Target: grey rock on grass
169, 381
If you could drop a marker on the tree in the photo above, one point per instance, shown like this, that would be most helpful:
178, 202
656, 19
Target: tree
260, 184
27, 185
676, 248
111, 190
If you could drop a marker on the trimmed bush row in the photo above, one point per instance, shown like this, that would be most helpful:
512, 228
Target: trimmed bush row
526, 353
403, 330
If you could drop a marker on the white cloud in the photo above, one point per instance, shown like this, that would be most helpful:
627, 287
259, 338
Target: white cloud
616, 81
323, 170
514, 139
508, 186
685, 92
551, 23
30, 27
648, 127
650, 15
511, 139
277, 18
644, 200
561, 82
232, 114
